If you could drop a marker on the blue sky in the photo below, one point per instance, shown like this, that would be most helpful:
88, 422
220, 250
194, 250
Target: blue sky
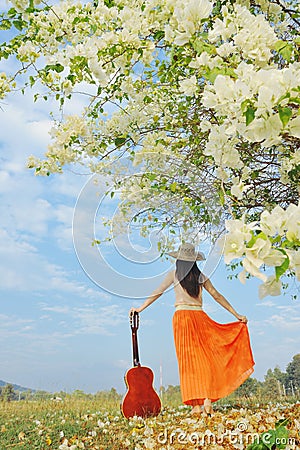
64, 324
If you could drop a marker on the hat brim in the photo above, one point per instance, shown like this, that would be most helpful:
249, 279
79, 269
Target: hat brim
198, 257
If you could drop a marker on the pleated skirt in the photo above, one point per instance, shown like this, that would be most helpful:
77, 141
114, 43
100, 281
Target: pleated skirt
213, 359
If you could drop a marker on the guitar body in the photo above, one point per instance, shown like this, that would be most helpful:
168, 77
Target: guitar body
141, 399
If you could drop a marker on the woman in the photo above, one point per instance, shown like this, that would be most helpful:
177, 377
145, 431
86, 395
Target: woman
213, 359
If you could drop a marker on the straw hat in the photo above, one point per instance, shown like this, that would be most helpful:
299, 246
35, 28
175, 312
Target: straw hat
187, 252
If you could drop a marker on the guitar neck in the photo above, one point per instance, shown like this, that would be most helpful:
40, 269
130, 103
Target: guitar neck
135, 349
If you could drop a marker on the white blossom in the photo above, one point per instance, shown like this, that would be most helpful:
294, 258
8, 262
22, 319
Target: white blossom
274, 222
271, 286
294, 127
242, 276
234, 246
238, 187
222, 148
98, 71
256, 254
226, 95
188, 86
226, 49
205, 60
188, 16
287, 165
293, 223
5, 86
294, 256
224, 29
252, 267
266, 131
275, 258
235, 240
21, 5
27, 52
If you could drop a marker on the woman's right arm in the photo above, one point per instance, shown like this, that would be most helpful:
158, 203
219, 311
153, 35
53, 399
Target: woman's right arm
222, 300
156, 293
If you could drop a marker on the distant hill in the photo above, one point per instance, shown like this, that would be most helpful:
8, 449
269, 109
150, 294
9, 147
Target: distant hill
16, 386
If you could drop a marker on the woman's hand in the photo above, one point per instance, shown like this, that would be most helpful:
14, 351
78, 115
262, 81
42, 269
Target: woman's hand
133, 310
242, 318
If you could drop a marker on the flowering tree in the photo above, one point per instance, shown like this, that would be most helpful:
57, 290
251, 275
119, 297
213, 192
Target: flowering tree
192, 113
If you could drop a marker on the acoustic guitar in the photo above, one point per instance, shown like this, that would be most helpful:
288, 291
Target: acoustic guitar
141, 399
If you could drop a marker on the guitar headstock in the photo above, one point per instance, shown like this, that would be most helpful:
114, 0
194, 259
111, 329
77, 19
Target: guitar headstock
134, 321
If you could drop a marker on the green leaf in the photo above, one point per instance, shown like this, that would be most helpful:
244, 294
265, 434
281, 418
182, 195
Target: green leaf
147, 99
94, 28
294, 100
254, 174
55, 67
151, 176
158, 35
217, 7
282, 436
173, 186
248, 111
250, 115
109, 3
252, 241
5, 25
119, 141
19, 24
294, 174
12, 12
280, 270
31, 80
285, 49
259, 446
211, 75
279, 45
285, 114
76, 20
287, 52
283, 97
201, 46
221, 197
268, 438
72, 78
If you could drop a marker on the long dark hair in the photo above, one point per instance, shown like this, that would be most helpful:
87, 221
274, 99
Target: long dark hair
189, 276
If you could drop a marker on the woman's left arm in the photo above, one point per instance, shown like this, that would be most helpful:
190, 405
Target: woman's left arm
156, 293
222, 300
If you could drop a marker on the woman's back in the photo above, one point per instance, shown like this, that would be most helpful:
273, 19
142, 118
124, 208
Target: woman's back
182, 297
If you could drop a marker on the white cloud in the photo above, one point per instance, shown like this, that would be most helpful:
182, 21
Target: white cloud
122, 364
35, 213
23, 268
63, 227
267, 303
90, 318
69, 184
24, 130
284, 321
24, 207
286, 315
14, 325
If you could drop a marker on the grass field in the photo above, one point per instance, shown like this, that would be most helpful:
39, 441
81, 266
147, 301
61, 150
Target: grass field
89, 424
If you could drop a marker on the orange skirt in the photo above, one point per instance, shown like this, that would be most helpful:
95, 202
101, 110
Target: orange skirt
214, 359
